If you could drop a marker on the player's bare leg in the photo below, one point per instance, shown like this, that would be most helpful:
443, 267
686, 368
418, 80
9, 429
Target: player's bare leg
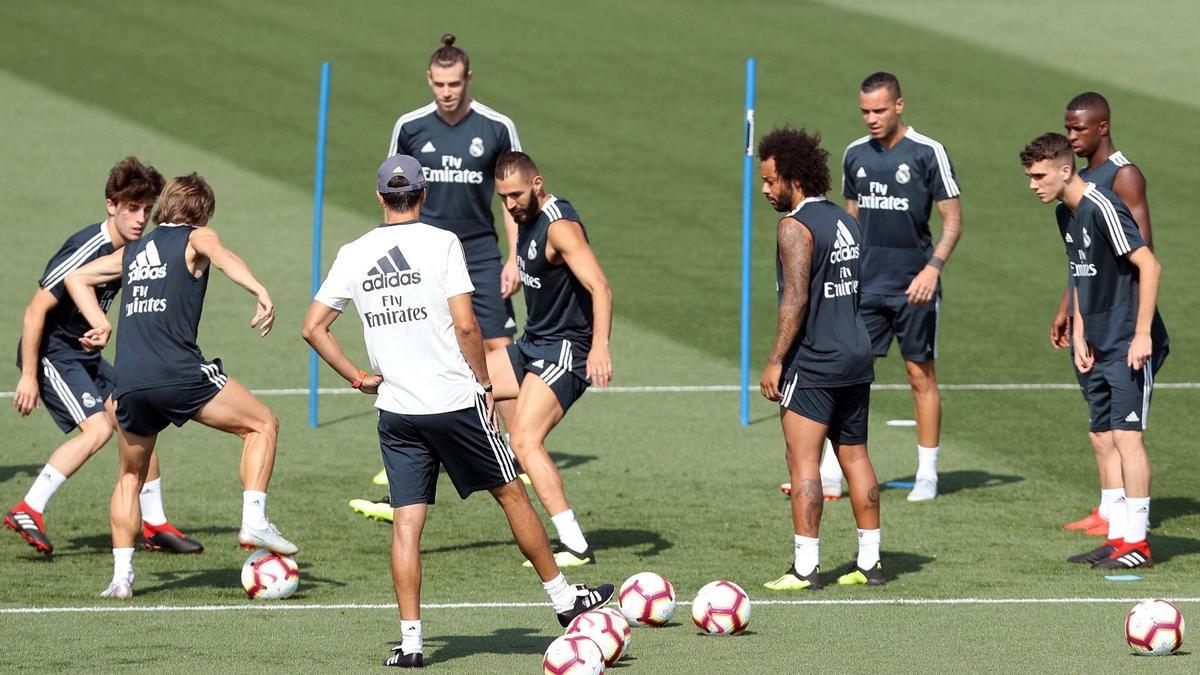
864, 497
803, 439
1099, 522
927, 404
1132, 551
408, 522
505, 408
94, 432
235, 410
125, 511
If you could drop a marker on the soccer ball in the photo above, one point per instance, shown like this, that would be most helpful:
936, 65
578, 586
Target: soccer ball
1154, 628
573, 654
647, 599
269, 576
721, 608
623, 627
604, 630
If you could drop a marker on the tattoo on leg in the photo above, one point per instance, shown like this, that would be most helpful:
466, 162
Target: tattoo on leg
873, 497
810, 489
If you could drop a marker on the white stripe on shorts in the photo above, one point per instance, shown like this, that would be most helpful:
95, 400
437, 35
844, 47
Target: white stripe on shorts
499, 450
63, 391
214, 374
1148, 387
564, 362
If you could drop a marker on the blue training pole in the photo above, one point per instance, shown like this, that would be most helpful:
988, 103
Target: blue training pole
747, 192
318, 212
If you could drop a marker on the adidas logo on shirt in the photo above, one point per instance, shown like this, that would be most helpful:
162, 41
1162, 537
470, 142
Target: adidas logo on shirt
391, 271
428, 147
862, 173
1067, 238
844, 247
147, 265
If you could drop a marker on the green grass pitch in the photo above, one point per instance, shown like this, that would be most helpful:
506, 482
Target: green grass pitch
633, 110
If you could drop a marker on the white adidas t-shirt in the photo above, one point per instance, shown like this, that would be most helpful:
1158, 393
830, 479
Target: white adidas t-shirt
400, 277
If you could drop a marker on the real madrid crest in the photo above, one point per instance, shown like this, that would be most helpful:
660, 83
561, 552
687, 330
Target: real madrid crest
903, 173
476, 148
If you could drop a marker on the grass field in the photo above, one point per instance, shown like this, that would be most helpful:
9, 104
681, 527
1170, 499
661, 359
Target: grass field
633, 111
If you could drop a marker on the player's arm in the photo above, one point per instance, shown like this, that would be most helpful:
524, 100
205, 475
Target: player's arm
1149, 272
81, 284
795, 256
25, 396
924, 286
510, 278
1083, 351
566, 239
470, 343
205, 242
1061, 322
318, 333
1130, 185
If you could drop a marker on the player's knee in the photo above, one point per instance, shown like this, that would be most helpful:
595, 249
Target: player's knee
95, 431
921, 376
524, 442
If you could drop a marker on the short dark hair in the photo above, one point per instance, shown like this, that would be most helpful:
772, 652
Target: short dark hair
448, 55
515, 161
1090, 100
879, 80
1048, 146
186, 200
132, 181
798, 157
401, 201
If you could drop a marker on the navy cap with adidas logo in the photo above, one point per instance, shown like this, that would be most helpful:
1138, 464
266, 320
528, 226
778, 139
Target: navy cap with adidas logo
401, 165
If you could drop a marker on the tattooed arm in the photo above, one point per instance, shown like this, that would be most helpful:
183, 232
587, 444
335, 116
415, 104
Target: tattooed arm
795, 256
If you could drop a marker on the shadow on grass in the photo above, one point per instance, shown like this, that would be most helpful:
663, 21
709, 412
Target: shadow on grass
367, 411
1164, 509
220, 578
12, 471
950, 482
502, 641
1166, 547
895, 564
648, 543
102, 541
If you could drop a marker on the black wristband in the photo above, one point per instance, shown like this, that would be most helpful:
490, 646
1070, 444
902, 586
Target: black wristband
487, 388
936, 263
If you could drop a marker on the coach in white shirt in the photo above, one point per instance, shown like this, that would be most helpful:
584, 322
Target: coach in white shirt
409, 283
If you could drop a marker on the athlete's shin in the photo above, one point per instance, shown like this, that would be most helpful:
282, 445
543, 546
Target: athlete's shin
927, 402
94, 432
125, 513
1135, 463
1108, 460
527, 528
407, 525
535, 460
258, 453
864, 486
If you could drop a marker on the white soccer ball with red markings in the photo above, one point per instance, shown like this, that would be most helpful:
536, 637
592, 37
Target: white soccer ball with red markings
604, 630
721, 608
573, 654
647, 599
270, 576
622, 625
1154, 628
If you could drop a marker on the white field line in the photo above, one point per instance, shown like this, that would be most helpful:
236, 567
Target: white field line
706, 388
266, 606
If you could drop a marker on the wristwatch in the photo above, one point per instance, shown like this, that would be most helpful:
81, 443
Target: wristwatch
487, 388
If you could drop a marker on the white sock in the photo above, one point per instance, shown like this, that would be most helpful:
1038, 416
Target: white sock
411, 639
254, 509
831, 471
927, 459
151, 500
808, 554
1138, 519
562, 596
122, 564
43, 488
1118, 514
1107, 499
868, 548
569, 532
1103, 508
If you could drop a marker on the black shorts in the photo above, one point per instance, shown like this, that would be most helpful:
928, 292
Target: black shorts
146, 412
914, 326
560, 363
493, 311
414, 446
843, 409
73, 387
1118, 396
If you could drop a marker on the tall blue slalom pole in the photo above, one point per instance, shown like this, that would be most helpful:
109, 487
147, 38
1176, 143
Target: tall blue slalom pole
318, 218
747, 193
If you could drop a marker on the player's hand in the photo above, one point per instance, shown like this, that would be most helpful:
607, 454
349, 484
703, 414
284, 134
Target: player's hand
923, 287
768, 384
26, 395
599, 366
1139, 350
95, 339
510, 279
370, 384
264, 315
489, 403
1084, 359
1060, 327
